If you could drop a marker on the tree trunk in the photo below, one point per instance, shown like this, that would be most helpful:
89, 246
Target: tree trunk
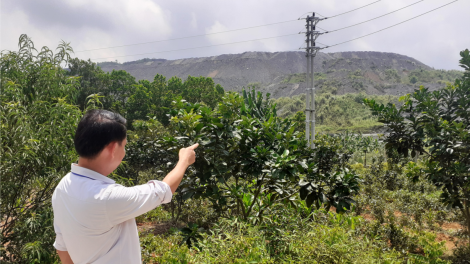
466, 213
365, 159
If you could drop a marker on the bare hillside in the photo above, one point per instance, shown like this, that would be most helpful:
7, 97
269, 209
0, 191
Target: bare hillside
283, 73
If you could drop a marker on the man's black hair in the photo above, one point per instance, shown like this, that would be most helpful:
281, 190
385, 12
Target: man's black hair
96, 129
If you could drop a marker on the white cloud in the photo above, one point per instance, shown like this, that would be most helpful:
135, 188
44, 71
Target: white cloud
434, 39
218, 27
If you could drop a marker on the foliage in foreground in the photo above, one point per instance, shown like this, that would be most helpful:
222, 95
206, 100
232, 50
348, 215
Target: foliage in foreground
256, 194
435, 124
38, 122
245, 163
322, 237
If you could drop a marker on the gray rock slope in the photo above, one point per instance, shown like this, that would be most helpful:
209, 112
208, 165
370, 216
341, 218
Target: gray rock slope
283, 73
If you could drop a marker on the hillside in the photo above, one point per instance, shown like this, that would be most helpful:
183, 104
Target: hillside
283, 73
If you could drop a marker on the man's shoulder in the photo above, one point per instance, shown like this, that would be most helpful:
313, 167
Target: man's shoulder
83, 188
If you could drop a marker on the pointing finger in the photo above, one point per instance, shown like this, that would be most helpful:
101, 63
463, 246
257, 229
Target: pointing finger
194, 146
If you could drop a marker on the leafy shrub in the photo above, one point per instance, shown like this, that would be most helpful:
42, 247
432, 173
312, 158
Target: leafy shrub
36, 110
163, 249
435, 124
461, 254
233, 242
273, 161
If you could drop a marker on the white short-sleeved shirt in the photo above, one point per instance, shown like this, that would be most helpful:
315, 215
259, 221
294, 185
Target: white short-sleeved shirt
94, 218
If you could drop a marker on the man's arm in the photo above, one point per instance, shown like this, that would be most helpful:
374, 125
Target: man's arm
124, 203
187, 156
64, 257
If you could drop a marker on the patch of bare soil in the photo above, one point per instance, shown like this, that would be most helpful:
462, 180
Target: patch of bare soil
450, 245
398, 213
367, 217
162, 228
452, 226
373, 76
142, 227
449, 240
157, 228
212, 74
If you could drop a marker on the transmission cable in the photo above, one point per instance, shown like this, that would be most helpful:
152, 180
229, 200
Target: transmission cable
201, 35
391, 25
316, 13
354, 9
374, 17
296, 34
163, 40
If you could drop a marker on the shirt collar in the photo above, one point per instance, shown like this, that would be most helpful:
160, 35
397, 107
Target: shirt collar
90, 173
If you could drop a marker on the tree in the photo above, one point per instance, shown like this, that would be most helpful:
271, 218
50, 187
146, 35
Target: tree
139, 104
37, 122
435, 124
139, 100
202, 90
93, 79
248, 159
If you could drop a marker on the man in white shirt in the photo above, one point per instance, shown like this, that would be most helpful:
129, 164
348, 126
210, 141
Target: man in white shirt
94, 218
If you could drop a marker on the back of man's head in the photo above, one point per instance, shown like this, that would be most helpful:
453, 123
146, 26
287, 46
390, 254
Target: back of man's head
96, 130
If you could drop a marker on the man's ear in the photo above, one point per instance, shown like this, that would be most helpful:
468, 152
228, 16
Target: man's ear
112, 147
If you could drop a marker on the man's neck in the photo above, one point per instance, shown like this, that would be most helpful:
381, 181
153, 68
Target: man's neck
94, 165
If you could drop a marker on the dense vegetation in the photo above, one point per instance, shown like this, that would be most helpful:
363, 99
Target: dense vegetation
257, 193
334, 80
120, 92
336, 113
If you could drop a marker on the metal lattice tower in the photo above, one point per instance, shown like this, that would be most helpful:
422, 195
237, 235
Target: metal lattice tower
311, 36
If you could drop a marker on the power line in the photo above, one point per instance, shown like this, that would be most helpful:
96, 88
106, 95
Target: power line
355, 9
316, 13
196, 47
391, 25
201, 35
288, 34
163, 40
374, 17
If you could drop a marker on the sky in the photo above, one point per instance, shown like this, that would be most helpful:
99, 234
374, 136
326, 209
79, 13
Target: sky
94, 26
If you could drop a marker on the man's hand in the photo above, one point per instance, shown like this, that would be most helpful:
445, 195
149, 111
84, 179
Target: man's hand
187, 156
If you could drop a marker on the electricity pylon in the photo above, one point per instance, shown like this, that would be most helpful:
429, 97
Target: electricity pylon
311, 36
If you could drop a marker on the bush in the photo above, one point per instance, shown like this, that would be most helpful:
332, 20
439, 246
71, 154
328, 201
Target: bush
435, 124
38, 122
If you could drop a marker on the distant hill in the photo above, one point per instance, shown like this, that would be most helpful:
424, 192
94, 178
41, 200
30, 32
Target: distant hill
283, 73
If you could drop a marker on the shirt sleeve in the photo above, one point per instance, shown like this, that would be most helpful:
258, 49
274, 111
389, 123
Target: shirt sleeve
59, 243
124, 203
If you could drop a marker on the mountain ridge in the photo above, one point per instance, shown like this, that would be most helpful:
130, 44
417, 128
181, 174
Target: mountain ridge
283, 73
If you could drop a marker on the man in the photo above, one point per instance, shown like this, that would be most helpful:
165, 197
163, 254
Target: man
94, 218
